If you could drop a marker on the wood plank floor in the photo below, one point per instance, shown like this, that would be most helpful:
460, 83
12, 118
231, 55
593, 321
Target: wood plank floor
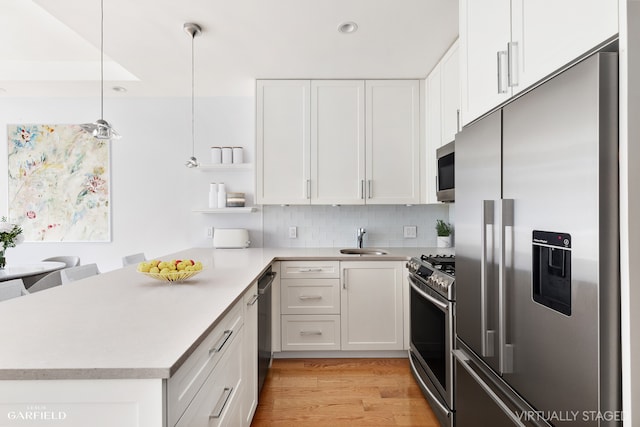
342, 392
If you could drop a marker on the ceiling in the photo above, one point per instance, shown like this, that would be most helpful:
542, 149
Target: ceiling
54, 47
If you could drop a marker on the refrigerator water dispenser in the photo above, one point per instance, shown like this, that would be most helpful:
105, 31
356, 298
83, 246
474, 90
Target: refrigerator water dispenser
552, 270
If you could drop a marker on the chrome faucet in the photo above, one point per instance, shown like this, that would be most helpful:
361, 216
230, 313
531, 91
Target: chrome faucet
360, 236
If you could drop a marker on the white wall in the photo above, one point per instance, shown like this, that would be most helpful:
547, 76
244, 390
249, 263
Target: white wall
630, 207
152, 192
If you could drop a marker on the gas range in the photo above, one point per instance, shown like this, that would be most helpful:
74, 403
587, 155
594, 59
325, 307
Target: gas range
436, 272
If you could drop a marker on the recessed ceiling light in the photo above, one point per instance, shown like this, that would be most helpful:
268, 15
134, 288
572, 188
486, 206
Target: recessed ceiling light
119, 89
348, 27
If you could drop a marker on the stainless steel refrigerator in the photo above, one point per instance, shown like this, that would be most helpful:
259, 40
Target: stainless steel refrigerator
538, 319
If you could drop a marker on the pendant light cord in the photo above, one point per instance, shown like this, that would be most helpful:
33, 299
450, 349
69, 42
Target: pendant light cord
193, 137
102, 59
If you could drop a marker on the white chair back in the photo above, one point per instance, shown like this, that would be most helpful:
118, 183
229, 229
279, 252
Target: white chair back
51, 280
12, 289
132, 259
70, 261
72, 274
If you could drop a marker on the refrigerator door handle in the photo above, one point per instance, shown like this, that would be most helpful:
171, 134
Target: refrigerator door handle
465, 363
487, 335
505, 349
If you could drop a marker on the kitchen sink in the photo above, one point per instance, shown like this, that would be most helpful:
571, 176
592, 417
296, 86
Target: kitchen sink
363, 251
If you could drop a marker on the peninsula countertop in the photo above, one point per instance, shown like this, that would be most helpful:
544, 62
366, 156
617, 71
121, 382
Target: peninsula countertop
123, 324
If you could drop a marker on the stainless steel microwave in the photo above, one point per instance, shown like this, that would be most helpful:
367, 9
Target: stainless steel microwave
445, 182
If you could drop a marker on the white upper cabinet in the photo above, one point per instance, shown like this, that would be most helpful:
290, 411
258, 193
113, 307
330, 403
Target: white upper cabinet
319, 142
393, 141
554, 33
283, 141
337, 142
442, 115
485, 31
507, 46
450, 99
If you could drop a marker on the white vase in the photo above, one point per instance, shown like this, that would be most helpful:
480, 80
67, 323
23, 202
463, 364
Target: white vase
443, 241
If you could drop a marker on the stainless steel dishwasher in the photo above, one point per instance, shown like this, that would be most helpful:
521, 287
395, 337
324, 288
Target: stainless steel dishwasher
264, 326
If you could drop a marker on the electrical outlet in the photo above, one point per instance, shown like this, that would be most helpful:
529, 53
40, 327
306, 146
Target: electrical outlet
210, 232
293, 232
410, 231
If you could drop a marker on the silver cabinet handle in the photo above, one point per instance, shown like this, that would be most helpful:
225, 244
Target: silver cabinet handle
308, 333
253, 300
465, 363
505, 349
487, 335
502, 56
512, 56
309, 297
310, 270
222, 402
221, 342
344, 279
362, 190
458, 127
370, 184
308, 189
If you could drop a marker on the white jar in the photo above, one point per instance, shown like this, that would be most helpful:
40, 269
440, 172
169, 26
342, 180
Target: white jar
213, 195
227, 155
216, 155
222, 196
238, 155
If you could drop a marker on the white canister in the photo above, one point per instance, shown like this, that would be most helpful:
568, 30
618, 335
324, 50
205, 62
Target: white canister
216, 155
213, 195
227, 155
222, 196
238, 155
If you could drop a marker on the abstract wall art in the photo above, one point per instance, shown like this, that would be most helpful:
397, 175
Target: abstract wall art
59, 183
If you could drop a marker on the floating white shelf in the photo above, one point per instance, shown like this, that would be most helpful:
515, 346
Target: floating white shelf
224, 166
228, 210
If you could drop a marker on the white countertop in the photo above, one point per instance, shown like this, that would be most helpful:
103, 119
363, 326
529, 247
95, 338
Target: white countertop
123, 324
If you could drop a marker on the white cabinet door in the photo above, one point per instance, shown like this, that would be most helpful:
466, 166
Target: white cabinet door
433, 132
550, 34
485, 31
250, 355
450, 81
392, 141
283, 141
372, 306
337, 142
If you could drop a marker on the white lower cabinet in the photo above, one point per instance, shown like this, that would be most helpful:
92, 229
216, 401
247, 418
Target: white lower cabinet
372, 305
354, 305
310, 332
250, 355
219, 401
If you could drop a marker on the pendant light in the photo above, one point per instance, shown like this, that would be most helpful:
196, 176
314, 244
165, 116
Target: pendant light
101, 129
193, 30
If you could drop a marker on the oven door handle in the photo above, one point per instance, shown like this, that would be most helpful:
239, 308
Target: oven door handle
441, 305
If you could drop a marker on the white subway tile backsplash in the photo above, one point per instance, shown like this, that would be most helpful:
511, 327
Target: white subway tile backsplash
335, 226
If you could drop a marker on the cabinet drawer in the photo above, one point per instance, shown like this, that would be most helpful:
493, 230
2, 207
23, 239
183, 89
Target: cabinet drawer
310, 296
310, 332
217, 402
310, 269
184, 384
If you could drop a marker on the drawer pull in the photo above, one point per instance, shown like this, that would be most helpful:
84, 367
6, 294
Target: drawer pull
253, 301
308, 333
221, 342
309, 270
222, 402
308, 297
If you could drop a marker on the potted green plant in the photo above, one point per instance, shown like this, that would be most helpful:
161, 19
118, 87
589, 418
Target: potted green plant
10, 235
443, 231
